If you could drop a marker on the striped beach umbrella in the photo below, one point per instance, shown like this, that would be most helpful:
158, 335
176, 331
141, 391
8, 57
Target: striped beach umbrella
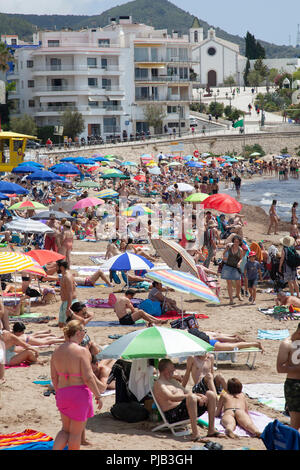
183, 282
107, 193
156, 342
11, 262
127, 262
133, 211
24, 205
174, 255
28, 226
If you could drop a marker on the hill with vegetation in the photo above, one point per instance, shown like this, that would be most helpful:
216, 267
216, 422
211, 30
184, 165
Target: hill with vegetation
161, 14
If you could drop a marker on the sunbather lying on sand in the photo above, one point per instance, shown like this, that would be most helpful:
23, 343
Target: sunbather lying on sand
34, 339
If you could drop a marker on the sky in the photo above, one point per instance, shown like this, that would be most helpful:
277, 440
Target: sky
268, 20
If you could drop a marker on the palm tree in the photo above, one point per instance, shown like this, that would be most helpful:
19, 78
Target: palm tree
5, 57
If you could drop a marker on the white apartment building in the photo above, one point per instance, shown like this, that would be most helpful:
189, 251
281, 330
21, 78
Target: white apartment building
109, 74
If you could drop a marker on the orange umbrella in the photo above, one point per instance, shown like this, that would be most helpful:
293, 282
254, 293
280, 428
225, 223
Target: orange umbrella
44, 256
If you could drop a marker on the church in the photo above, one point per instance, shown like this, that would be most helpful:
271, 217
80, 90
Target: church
215, 59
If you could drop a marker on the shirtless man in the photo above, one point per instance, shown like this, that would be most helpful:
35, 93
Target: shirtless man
50, 238
80, 313
67, 292
287, 300
225, 342
288, 363
128, 314
66, 241
102, 371
202, 370
179, 404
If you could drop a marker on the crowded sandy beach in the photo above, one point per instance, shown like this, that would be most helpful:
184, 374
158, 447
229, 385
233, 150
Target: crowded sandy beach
146, 281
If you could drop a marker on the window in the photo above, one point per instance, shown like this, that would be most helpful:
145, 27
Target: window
93, 104
53, 43
171, 109
13, 42
195, 36
154, 54
172, 53
103, 42
183, 73
183, 53
30, 83
92, 62
92, 81
211, 51
55, 64
106, 83
140, 73
31, 103
142, 93
29, 64
141, 54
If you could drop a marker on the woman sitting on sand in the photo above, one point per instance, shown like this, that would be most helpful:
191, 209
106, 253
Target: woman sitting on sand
235, 410
12, 358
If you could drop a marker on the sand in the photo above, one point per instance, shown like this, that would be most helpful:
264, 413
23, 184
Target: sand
25, 406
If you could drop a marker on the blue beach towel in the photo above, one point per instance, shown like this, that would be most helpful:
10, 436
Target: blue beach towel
273, 334
113, 323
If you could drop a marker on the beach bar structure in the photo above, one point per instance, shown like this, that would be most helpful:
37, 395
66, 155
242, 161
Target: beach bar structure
12, 149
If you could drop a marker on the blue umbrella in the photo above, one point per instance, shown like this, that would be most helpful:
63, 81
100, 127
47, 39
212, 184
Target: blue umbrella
3, 196
84, 161
30, 162
65, 168
128, 164
194, 164
68, 159
42, 175
12, 188
188, 157
127, 262
100, 159
24, 169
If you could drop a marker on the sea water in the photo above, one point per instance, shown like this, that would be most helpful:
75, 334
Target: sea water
261, 193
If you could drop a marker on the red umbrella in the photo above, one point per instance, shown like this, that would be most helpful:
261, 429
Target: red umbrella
222, 202
44, 256
220, 159
140, 178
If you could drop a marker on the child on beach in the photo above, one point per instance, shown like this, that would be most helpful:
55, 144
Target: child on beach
251, 272
235, 410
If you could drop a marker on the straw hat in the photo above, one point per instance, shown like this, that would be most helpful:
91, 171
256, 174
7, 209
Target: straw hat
287, 241
67, 224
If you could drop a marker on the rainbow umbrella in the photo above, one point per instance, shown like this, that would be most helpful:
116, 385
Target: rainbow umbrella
137, 210
24, 205
183, 282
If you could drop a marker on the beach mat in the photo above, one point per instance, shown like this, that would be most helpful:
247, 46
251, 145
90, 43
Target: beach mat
103, 303
271, 395
113, 323
88, 287
273, 334
174, 316
26, 437
259, 419
22, 364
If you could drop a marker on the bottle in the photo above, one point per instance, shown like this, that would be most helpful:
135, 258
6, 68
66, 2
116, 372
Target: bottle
27, 305
155, 415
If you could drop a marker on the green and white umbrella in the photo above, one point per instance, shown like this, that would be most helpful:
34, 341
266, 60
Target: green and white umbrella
155, 342
88, 184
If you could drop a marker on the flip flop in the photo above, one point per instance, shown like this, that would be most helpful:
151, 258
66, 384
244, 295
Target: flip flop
201, 439
215, 434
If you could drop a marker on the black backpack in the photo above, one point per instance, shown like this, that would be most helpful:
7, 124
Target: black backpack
292, 257
131, 412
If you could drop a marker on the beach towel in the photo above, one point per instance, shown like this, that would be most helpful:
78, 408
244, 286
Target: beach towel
114, 323
280, 313
259, 419
97, 284
25, 437
103, 303
273, 334
175, 315
271, 395
22, 364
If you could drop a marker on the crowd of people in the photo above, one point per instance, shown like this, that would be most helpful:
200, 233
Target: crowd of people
224, 254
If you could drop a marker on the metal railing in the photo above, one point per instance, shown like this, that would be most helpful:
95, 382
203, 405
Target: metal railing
88, 89
164, 78
58, 109
161, 99
75, 68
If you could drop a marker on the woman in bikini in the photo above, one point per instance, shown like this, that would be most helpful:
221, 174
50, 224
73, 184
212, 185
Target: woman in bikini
74, 383
235, 410
294, 218
274, 219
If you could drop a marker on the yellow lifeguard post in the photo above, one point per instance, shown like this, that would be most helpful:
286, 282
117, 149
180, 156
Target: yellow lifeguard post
12, 149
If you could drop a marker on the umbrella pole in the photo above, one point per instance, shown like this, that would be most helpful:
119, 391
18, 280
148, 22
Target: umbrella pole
181, 311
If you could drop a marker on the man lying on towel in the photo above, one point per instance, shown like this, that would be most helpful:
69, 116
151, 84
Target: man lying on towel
128, 314
224, 342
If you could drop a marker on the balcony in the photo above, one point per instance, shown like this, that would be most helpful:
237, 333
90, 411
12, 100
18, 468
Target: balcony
164, 79
74, 89
84, 69
163, 60
173, 98
103, 110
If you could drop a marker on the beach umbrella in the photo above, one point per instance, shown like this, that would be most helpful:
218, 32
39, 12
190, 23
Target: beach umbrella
42, 175
4, 197
115, 175
195, 165
156, 342
174, 255
205, 154
155, 171
220, 159
232, 160
24, 169
127, 262
65, 169
45, 215
107, 193
12, 188
133, 211
174, 164
99, 158
183, 282
182, 187
11, 262
43, 257
141, 178
31, 162
128, 164
68, 159
255, 154
24, 205
87, 202
196, 197
36, 269
84, 161
88, 184
27, 226
109, 171
222, 202
226, 164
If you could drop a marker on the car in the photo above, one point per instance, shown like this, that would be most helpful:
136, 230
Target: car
193, 122
31, 144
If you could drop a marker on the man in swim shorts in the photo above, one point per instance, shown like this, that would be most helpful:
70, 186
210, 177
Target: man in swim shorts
128, 314
67, 292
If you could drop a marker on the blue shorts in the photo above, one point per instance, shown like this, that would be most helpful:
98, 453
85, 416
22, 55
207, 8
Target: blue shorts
212, 342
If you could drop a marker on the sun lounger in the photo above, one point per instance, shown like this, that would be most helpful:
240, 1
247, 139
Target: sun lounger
251, 354
165, 424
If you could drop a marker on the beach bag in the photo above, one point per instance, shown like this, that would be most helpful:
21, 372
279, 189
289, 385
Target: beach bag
292, 257
152, 307
131, 412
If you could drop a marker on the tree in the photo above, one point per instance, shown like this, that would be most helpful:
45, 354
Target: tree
73, 123
229, 81
261, 68
216, 109
279, 79
24, 124
272, 75
5, 57
154, 115
254, 50
246, 72
254, 78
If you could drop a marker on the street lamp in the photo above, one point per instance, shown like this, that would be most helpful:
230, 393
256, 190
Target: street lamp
179, 116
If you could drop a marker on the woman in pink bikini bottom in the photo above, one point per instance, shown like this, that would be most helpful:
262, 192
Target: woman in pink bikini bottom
74, 383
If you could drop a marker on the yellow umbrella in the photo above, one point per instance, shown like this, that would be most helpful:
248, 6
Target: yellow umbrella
11, 262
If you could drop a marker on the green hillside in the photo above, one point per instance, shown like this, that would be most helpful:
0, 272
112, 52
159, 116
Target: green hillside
158, 13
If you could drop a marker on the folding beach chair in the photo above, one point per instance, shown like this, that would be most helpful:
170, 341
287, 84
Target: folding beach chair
165, 424
251, 353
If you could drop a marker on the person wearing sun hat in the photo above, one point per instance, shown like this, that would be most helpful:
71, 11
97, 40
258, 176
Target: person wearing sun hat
289, 272
251, 271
